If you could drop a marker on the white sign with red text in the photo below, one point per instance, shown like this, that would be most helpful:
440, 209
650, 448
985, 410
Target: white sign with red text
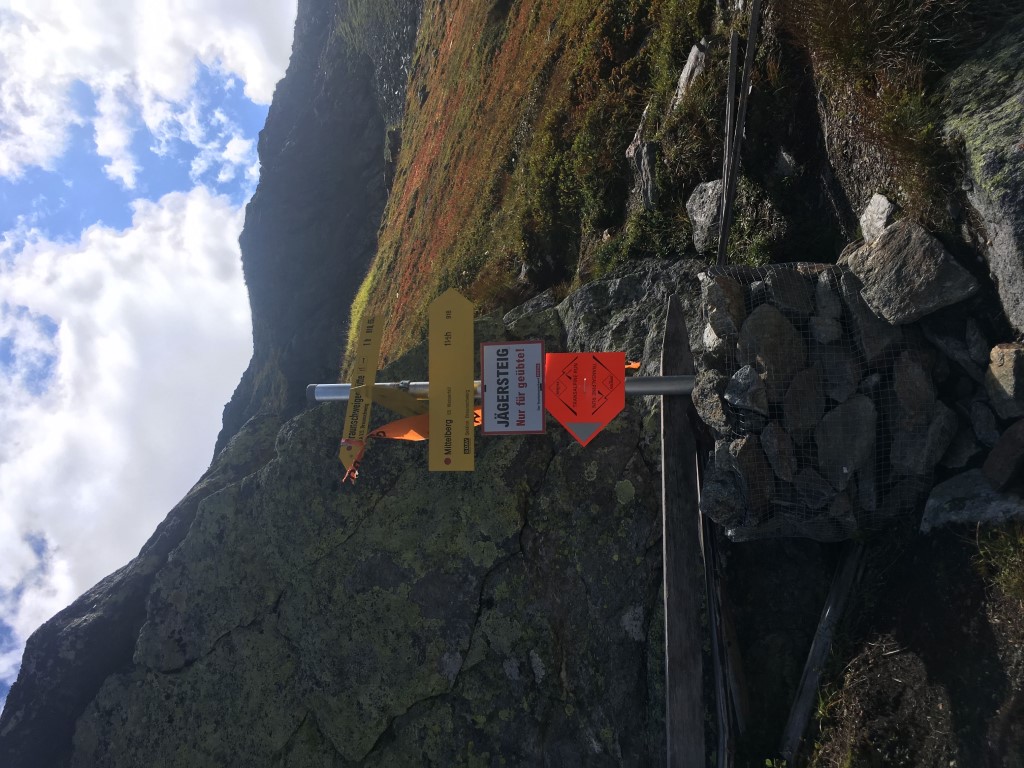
512, 387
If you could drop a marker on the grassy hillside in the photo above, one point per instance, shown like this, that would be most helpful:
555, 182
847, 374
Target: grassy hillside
512, 174
513, 146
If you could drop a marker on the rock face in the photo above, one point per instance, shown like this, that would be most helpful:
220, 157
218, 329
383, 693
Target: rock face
876, 217
691, 71
68, 659
702, 208
986, 97
906, 274
623, 311
410, 618
321, 153
641, 155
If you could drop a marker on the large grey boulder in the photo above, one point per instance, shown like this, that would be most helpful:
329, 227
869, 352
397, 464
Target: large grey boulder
703, 209
948, 331
691, 70
1004, 466
624, 311
986, 104
724, 303
708, 398
776, 350
876, 217
845, 439
303, 622
746, 391
874, 336
908, 274
969, 499
804, 403
915, 450
641, 155
1004, 380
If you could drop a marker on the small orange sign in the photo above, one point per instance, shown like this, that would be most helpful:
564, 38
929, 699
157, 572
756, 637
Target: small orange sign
584, 390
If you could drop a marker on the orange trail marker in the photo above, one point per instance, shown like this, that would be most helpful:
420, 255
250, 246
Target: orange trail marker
584, 390
412, 428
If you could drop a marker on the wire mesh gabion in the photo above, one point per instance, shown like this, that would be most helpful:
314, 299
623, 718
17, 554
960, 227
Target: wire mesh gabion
826, 418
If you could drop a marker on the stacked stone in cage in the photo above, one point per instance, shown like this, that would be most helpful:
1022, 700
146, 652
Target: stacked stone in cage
825, 416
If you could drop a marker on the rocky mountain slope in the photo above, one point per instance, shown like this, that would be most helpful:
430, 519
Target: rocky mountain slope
519, 149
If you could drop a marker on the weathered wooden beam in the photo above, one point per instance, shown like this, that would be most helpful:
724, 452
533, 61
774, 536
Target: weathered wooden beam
845, 578
727, 144
726, 745
737, 130
681, 557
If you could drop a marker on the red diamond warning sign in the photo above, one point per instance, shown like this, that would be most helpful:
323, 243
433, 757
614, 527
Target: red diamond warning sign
584, 390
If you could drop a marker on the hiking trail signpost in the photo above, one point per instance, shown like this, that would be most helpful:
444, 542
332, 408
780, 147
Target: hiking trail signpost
360, 401
450, 354
512, 387
519, 383
584, 390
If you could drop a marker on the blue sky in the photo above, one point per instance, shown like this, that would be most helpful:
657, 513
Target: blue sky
128, 135
77, 192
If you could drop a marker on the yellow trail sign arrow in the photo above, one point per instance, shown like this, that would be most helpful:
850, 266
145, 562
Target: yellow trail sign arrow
360, 401
452, 388
398, 400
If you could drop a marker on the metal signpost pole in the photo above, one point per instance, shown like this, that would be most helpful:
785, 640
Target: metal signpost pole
635, 386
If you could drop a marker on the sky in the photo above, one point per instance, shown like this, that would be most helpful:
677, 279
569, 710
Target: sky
128, 135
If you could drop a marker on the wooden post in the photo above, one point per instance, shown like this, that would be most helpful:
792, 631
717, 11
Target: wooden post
727, 145
842, 585
682, 567
741, 115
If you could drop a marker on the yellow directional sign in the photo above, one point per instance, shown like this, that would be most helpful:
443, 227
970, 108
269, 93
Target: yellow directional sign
360, 401
452, 387
398, 400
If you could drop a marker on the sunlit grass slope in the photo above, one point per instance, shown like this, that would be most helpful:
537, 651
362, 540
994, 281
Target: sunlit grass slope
517, 119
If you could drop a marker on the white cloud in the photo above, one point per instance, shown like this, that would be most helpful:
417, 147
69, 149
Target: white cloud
110, 410
223, 153
113, 127
136, 57
238, 150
